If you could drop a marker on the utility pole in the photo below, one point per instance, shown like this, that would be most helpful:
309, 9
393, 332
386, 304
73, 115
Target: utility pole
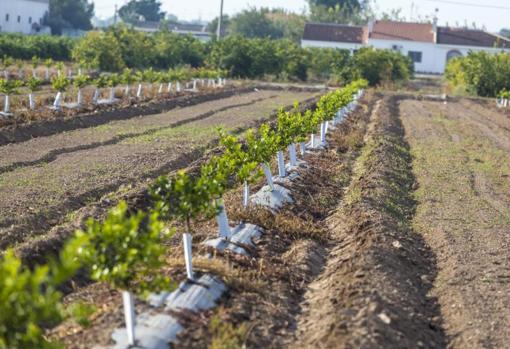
218, 33
115, 16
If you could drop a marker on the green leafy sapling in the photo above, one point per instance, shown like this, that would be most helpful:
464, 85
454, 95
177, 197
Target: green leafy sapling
261, 147
29, 301
245, 166
127, 79
185, 200
33, 85
99, 83
112, 82
59, 83
127, 251
8, 88
48, 63
79, 82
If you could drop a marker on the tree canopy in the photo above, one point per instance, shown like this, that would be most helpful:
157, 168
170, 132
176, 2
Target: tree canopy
69, 14
254, 23
149, 10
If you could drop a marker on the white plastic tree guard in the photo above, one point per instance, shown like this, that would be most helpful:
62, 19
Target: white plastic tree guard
292, 155
281, 164
169, 87
178, 86
129, 315
246, 194
187, 239
242, 235
160, 89
323, 133
31, 101
302, 148
79, 98
273, 199
57, 104
269, 176
127, 90
95, 97
222, 220
139, 91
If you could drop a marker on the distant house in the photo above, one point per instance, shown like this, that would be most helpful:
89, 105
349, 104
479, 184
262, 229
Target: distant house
428, 45
198, 31
23, 16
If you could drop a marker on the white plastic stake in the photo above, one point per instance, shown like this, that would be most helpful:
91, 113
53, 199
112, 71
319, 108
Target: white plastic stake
269, 176
222, 220
79, 97
292, 155
281, 164
178, 86
246, 194
58, 99
312, 141
129, 315
326, 127
160, 90
186, 238
194, 84
95, 97
169, 87
127, 90
323, 133
139, 91
302, 148
112, 94
47, 74
7, 104
31, 101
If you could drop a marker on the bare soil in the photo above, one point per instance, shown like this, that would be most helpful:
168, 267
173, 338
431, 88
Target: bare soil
46, 180
462, 164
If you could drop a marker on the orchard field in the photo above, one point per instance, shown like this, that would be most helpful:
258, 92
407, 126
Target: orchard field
228, 213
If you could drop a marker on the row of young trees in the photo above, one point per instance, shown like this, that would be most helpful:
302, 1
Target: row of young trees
168, 81
480, 73
120, 47
126, 249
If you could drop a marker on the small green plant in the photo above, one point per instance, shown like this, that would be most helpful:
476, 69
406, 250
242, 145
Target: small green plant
60, 83
80, 81
29, 301
225, 335
33, 84
126, 251
81, 313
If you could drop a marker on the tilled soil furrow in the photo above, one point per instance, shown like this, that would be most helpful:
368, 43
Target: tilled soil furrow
373, 292
53, 154
463, 213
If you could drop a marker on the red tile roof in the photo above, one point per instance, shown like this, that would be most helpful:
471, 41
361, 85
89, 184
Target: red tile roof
389, 30
470, 37
335, 33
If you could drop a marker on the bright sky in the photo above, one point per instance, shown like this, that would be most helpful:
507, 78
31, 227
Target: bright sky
493, 14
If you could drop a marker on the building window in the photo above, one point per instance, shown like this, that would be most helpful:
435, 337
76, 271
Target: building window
415, 56
7, 17
30, 20
19, 19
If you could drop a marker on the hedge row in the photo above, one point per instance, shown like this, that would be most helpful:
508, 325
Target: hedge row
120, 47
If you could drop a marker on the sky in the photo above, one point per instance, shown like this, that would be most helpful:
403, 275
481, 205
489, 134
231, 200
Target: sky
493, 14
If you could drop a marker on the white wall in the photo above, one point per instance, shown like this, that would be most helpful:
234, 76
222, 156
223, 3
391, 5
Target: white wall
429, 60
330, 44
24, 9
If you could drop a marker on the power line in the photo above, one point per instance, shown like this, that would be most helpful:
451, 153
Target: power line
451, 2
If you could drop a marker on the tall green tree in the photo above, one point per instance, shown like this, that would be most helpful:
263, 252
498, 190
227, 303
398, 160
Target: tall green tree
69, 14
340, 11
255, 23
149, 10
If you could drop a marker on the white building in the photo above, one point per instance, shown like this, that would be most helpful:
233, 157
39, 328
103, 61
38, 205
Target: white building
429, 46
23, 16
